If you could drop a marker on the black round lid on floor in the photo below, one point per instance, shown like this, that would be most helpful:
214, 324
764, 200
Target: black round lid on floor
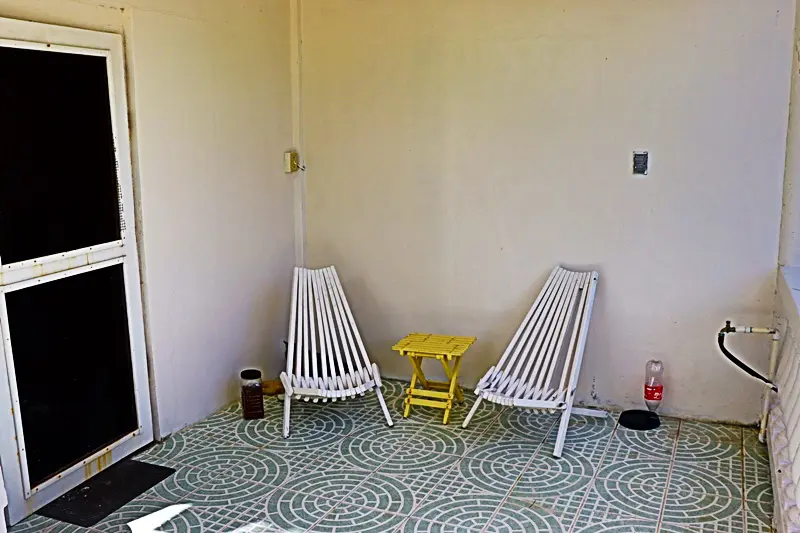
639, 419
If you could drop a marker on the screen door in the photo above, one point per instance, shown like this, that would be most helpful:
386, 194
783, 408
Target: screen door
70, 307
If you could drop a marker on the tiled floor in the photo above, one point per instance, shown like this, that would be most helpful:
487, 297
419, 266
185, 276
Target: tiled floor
343, 470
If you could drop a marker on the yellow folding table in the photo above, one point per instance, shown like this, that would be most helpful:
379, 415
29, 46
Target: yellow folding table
449, 350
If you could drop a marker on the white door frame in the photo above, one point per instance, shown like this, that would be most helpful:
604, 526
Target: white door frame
22, 498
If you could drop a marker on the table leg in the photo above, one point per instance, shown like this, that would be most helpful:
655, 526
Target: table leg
416, 362
452, 375
407, 409
449, 406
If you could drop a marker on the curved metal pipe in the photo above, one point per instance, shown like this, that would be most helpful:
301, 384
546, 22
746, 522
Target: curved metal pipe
733, 359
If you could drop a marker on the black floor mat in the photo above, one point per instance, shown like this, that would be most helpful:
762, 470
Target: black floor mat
639, 419
98, 497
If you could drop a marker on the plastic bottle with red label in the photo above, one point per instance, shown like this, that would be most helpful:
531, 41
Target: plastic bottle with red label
654, 384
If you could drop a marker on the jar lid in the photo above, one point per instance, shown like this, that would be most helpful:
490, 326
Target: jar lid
251, 373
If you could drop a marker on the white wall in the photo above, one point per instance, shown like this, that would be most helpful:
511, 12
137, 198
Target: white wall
790, 222
457, 149
211, 115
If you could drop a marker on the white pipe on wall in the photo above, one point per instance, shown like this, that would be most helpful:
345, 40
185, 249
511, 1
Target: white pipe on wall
773, 358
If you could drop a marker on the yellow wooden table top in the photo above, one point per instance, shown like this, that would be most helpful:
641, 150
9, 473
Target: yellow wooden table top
433, 345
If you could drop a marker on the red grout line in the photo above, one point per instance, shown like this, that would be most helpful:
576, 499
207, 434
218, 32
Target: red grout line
408, 517
372, 473
590, 485
524, 469
744, 486
669, 478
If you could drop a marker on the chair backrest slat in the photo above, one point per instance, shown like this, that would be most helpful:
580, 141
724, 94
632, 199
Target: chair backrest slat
340, 333
301, 314
543, 311
576, 291
348, 346
292, 325
544, 352
524, 326
324, 336
341, 370
362, 350
568, 362
533, 354
585, 315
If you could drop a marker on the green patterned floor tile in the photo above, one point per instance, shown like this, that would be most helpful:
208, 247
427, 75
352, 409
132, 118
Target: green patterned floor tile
516, 453
294, 512
420, 483
631, 444
228, 491
729, 469
164, 453
527, 424
676, 528
706, 513
756, 469
708, 442
750, 438
415, 525
711, 432
427, 449
311, 426
689, 481
633, 526
383, 493
34, 524
369, 449
757, 524
222, 433
470, 511
622, 526
334, 484
344, 470
576, 460
471, 476
353, 519
513, 517
225, 458
759, 505
200, 520
41, 524
636, 471
252, 517
365, 411
592, 451
69, 528
177, 486
609, 500
487, 413
117, 522
370, 416
589, 437
558, 494
255, 526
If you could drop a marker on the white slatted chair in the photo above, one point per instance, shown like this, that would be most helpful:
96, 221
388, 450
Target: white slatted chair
326, 359
525, 375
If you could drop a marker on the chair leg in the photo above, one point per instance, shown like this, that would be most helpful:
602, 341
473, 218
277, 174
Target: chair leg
472, 411
562, 431
287, 405
383, 407
378, 385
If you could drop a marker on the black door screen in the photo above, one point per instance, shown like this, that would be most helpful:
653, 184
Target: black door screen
72, 359
58, 182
